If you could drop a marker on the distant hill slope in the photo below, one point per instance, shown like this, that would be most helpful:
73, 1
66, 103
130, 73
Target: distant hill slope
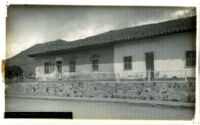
26, 63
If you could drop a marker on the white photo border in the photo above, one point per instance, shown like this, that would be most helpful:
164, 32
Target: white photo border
171, 3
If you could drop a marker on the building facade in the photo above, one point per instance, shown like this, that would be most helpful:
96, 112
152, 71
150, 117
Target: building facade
164, 50
78, 65
166, 56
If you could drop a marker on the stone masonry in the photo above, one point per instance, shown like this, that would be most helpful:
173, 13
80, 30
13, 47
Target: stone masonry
165, 91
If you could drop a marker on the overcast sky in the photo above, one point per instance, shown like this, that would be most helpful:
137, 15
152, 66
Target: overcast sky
30, 25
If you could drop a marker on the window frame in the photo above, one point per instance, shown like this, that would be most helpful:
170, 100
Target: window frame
47, 66
95, 65
127, 64
191, 60
72, 66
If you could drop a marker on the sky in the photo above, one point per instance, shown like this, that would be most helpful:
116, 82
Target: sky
30, 25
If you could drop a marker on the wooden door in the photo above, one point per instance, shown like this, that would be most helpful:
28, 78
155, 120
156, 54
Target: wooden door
150, 63
59, 68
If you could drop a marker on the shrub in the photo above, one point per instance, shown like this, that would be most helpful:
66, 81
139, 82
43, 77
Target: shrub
13, 72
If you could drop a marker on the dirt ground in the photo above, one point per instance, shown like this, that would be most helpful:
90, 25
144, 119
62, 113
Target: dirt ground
98, 110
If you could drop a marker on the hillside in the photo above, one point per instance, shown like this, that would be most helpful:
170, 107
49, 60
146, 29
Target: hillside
26, 63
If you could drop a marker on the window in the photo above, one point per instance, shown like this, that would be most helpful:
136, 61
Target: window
190, 58
95, 65
127, 63
95, 62
72, 66
47, 67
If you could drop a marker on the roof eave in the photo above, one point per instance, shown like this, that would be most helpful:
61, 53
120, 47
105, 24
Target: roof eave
116, 41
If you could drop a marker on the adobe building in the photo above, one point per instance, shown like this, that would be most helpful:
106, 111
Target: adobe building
159, 51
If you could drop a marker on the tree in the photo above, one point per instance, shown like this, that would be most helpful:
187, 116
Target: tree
16, 71
8, 72
13, 71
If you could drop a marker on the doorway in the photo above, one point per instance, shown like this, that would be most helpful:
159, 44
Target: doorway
150, 64
59, 68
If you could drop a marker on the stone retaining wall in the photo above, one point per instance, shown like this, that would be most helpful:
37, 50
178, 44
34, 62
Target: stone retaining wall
167, 91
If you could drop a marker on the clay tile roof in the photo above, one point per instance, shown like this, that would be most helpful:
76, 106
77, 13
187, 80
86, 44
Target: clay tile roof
131, 33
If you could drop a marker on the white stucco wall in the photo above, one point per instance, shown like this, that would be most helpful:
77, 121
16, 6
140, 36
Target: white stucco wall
169, 58
83, 63
169, 53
